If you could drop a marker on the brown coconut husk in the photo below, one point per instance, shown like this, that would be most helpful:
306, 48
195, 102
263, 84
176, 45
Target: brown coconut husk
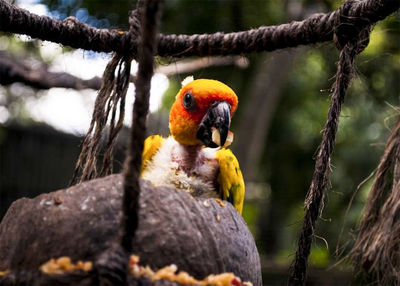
200, 236
377, 248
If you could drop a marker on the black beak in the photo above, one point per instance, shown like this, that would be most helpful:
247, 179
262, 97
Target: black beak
218, 116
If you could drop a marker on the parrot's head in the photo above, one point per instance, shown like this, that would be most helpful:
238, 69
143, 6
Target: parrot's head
202, 112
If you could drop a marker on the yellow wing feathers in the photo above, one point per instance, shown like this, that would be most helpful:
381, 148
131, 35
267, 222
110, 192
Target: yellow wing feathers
230, 179
151, 146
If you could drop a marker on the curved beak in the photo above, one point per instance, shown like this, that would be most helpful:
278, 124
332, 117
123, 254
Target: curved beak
214, 127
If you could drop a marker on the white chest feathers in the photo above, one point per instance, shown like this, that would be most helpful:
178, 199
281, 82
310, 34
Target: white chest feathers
191, 169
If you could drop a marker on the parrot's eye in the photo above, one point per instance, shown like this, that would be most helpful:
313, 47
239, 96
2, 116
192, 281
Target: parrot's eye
188, 101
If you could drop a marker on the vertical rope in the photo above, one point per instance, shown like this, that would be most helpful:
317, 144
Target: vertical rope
351, 40
149, 16
313, 201
112, 265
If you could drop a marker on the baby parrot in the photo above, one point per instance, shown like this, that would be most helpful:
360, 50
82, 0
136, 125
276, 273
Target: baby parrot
194, 157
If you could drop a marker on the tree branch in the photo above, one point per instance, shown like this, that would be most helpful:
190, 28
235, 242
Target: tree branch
191, 65
12, 70
316, 28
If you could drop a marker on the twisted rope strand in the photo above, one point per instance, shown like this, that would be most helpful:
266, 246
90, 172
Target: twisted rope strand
112, 264
86, 162
118, 97
316, 28
150, 16
313, 201
351, 39
111, 97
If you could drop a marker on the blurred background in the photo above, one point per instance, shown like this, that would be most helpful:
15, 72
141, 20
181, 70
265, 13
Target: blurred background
283, 102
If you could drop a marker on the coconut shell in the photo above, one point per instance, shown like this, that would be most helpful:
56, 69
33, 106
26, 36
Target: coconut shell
198, 235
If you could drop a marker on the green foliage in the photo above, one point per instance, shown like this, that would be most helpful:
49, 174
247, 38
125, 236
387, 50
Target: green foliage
169, 95
319, 257
251, 213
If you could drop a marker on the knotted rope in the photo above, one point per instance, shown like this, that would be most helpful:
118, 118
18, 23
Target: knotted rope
112, 265
146, 51
351, 37
317, 28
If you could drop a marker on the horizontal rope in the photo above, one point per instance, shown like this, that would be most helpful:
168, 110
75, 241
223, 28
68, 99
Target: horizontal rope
71, 32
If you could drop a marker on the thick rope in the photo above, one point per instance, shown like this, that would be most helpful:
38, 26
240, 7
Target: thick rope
149, 17
112, 264
70, 32
352, 40
321, 172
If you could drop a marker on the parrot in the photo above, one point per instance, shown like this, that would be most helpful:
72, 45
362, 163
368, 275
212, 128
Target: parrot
194, 158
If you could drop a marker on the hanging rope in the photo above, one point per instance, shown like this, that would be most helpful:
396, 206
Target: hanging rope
351, 39
146, 51
112, 264
110, 98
